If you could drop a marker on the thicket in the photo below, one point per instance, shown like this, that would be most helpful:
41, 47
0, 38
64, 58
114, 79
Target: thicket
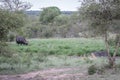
36, 55
11, 18
103, 18
63, 26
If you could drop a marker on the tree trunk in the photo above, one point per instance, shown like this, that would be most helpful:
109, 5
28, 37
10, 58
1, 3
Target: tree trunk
112, 62
107, 46
110, 58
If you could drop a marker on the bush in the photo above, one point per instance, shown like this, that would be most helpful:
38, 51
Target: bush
97, 69
101, 70
92, 70
5, 50
11, 37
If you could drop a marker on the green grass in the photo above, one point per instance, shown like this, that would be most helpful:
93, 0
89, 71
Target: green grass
48, 53
61, 46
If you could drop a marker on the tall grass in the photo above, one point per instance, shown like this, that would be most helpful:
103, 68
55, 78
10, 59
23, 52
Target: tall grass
46, 53
61, 46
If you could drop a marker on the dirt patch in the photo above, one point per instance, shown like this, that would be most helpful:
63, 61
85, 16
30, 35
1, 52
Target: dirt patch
51, 74
63, 74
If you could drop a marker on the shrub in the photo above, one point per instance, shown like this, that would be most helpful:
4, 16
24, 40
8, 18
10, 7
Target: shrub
5, 50
88, 60
11, 36
97, 69
100, 70
92, 70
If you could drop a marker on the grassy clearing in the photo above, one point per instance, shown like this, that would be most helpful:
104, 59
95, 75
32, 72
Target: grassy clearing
24, 65
49, 53
61, 46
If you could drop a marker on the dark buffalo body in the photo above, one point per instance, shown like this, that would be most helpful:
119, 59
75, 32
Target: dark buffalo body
21, 40
100, 54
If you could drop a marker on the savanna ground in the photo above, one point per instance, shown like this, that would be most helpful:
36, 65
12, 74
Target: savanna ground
56, 59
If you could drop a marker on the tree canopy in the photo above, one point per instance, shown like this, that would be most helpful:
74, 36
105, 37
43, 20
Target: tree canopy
9, 21
14, 5
103, 17
48, 14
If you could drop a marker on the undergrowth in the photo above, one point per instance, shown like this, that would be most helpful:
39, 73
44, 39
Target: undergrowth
48, 53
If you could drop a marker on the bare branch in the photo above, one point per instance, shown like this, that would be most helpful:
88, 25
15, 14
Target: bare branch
14, 5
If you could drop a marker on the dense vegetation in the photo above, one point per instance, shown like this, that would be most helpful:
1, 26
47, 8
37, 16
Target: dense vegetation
40, 51
82, 31
103, 18
36, 55
62, 26
61, 46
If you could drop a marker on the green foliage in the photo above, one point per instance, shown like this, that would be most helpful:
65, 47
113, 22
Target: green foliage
9, 21
11, 36
38, 30
16, 5
4, 50
92, 70
88, 60
61, 19
101, 14
113, 41
61, 46
11, 16
62, 26
49, 53
48, 14
4, 15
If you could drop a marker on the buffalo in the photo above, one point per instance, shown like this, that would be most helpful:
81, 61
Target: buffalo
21, 40
100, 54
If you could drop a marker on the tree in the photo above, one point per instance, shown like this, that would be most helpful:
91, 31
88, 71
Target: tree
15, 8
11, 18
14, 5
103, 17
48, 14
61, 19
8, 21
